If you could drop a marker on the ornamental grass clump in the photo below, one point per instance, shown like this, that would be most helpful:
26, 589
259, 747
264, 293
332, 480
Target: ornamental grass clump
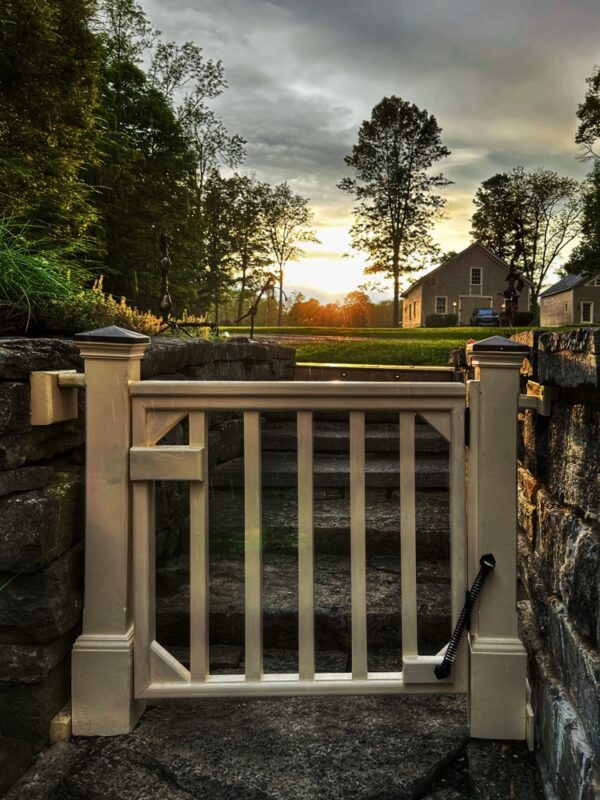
32, 274
44, 291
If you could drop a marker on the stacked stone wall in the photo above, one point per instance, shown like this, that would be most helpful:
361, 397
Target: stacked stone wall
42, 522
559, 548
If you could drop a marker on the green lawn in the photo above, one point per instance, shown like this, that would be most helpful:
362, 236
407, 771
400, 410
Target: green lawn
458, 334
378, 351
410, 346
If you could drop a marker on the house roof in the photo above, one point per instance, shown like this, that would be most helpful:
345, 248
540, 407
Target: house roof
566, 283
474, 246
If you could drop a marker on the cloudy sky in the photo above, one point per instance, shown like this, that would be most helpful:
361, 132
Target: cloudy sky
503, 78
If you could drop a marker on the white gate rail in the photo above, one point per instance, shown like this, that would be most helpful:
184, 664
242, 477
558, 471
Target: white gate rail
125, 420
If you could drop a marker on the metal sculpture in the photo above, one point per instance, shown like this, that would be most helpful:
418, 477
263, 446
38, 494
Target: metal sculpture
253, 310
166, 301
512, 293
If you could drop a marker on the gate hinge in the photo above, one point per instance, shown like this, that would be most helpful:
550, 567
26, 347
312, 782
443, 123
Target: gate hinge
467, 426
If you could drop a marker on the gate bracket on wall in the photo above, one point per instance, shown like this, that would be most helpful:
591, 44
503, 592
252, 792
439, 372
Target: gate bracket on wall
539, 398
54, 396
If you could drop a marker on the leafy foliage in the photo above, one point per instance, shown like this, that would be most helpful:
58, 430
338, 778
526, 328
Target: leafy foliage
91, 308
529, 219
108, 139
588, 112
288, 223
586, 255
396, 203
48, 92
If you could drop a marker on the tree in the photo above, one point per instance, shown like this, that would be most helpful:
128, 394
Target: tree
219, 221
357, 309
143, 177
48, 96
183, 68
396, 205
586, 255
158, 142
588, 112
529, 219
288, 222
250, 239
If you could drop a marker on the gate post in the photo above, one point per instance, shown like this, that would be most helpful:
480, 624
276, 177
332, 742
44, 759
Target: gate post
102, 665
498, 663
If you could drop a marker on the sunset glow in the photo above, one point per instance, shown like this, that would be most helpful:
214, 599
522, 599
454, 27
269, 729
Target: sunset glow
303, 76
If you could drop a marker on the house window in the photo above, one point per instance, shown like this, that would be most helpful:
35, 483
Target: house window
587, 312
595, 282
475, 276
441, 305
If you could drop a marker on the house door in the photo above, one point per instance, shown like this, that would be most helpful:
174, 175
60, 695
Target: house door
468, 302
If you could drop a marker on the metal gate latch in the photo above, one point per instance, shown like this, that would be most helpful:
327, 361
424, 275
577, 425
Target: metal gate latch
487, 564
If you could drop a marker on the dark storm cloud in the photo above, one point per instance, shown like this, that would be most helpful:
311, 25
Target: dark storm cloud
502, 78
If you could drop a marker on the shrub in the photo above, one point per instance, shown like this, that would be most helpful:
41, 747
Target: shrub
523, 318
441, 320
91, 308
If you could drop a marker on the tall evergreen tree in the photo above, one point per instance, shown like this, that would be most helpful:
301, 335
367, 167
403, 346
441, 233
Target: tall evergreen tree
143, 178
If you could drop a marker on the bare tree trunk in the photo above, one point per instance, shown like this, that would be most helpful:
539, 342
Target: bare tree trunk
217, 306
396, 310
240, 308
280, 311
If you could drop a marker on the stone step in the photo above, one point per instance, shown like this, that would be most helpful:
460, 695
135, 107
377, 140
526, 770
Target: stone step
332, 438
332, 522
280, 603
281, 470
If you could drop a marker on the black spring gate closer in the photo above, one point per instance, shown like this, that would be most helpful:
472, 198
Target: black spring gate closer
486, 565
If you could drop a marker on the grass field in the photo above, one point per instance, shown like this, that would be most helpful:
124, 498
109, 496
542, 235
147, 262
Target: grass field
416, 346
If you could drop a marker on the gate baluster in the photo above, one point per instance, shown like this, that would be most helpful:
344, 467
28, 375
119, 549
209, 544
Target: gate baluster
408, 547
253, 546
358, 546
306, 602
199, 642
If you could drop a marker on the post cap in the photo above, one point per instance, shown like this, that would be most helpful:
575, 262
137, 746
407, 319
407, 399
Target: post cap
113, 335
499, 344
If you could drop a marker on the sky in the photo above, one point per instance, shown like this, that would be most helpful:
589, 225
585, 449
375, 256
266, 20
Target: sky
502, 77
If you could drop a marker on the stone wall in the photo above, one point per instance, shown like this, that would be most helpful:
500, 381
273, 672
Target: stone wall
41, 518
559, 546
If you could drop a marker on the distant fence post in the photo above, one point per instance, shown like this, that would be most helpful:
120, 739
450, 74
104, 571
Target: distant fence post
102, 677
497, 697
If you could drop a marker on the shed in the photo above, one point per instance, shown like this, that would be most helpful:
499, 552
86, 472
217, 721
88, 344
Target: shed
574, 300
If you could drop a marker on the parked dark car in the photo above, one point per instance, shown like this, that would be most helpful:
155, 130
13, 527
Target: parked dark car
485, 317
